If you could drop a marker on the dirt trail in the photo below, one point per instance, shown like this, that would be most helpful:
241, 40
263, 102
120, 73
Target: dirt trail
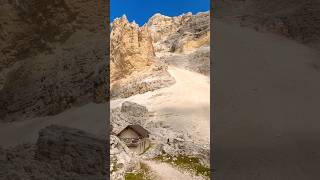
184, 106
163, 171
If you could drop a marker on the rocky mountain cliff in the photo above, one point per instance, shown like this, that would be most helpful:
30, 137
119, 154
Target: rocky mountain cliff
143, 62
137, 53
297, 20
52, 56
181, 33
131, 48
133, 65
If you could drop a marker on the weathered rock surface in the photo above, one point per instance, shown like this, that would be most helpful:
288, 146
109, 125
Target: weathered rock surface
180, 142
129, 113
133, 109
297, 20
53, 56
60, 153
181, 33
131, 48
133, 68
182, 41
198, 60
122, 159
139, 82
135, 51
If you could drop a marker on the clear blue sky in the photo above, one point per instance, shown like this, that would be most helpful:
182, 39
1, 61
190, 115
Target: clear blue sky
142, 10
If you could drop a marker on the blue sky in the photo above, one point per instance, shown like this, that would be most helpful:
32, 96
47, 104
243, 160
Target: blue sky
142, 10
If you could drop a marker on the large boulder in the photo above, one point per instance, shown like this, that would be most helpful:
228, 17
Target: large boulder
133, 109
129, 113
60, 153
76, 150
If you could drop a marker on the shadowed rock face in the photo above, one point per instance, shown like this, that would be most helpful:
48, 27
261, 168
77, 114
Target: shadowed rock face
53, 56
298, 20
76, 150
60, 153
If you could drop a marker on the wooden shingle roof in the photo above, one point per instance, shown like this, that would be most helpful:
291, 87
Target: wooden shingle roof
138, 129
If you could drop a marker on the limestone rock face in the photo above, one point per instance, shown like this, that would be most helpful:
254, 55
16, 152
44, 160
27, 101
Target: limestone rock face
182, 41
133, 109
60, 153
85, 155
53, 56
134, 68
129, 113
161, 26
152, 78
294, 19
131, 48
181, 33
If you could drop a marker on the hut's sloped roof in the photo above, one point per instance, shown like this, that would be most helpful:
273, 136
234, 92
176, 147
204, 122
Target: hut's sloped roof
138, 129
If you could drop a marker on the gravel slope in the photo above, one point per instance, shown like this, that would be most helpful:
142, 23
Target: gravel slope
266, 115
184, 106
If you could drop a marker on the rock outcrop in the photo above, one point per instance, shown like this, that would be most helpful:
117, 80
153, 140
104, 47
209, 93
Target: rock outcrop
136, 65
182, 41
181, 33
134, 68
131, 48
122, 159
129, 113
60, 153
53, 55
297, 20
139, 82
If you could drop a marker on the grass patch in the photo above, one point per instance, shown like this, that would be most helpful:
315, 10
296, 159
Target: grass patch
187, 163
134, 176
142, 174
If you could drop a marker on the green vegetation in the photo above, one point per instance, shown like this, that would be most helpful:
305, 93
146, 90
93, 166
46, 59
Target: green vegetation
186, 163
134, 176
142, 174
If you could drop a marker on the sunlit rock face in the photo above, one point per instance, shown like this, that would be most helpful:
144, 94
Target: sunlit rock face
134, 68
181, 33
131, 48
